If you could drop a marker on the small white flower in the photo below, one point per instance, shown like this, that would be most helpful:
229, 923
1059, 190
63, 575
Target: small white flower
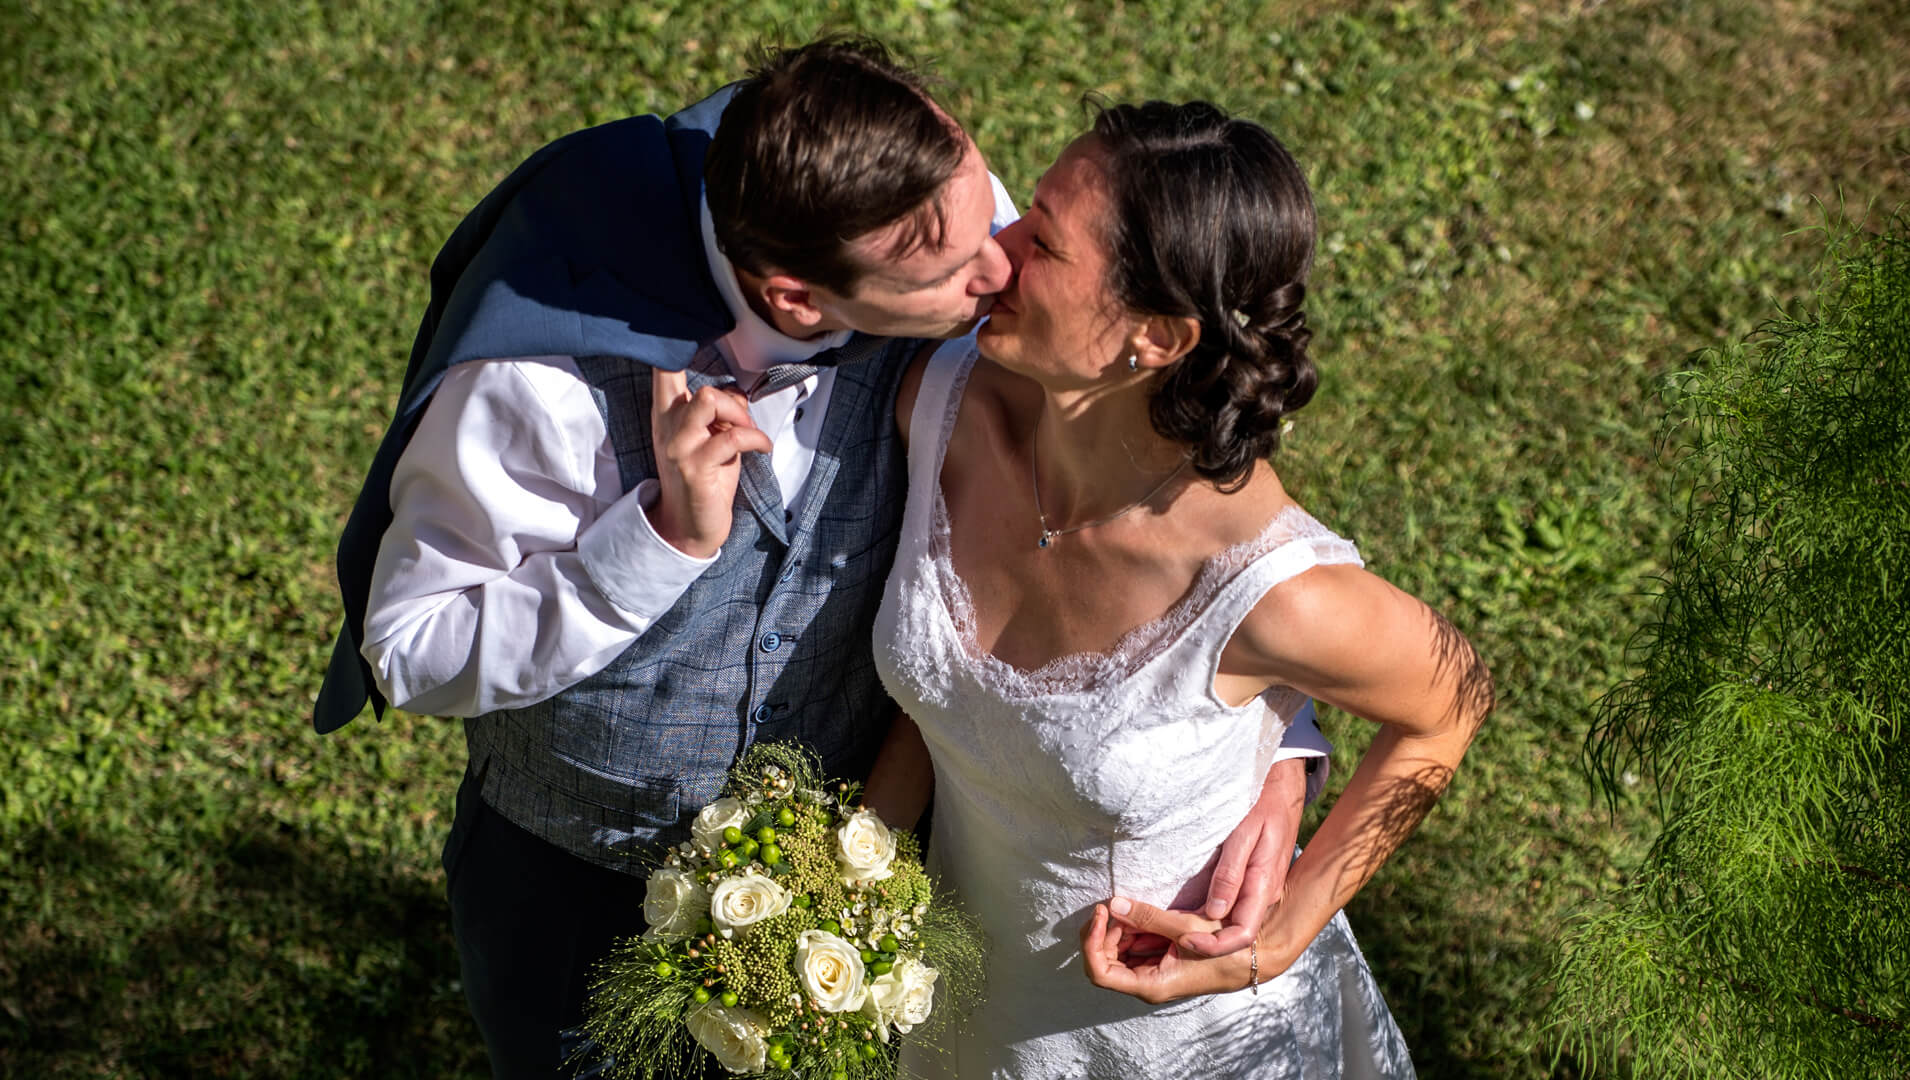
1584, 111
902, 998
1515, 84
737, 1037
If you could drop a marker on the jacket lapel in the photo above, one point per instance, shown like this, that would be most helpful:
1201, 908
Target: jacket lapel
853, 394
765, 495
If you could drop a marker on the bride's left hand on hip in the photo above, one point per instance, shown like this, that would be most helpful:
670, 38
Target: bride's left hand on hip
1134, 952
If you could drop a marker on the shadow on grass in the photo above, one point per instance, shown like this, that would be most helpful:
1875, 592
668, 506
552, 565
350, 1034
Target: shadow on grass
1446, 974
254, 950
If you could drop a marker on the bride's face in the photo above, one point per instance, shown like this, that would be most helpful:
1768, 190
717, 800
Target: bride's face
1056, 321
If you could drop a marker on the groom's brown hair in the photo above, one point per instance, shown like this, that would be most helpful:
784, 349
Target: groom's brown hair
823, 144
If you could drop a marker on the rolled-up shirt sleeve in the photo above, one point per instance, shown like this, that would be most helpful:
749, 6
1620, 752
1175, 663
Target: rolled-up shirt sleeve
1304, 740
515, 565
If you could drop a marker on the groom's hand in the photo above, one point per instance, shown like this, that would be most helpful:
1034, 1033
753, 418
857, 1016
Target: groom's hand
699, 440
1252, 871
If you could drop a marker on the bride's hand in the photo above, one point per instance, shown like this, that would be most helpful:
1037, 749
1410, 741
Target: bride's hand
1116, 949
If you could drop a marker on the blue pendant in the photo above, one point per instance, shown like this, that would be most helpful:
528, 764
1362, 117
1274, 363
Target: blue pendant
1043, 542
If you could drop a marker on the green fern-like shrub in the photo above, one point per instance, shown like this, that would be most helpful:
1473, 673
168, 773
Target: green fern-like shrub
1767, 933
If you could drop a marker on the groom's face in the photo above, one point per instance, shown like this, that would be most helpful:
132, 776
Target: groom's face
933, 290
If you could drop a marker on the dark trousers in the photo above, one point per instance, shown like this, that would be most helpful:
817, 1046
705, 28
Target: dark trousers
530, 920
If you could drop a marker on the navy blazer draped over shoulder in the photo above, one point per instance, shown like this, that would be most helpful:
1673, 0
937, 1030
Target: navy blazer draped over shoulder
527, 274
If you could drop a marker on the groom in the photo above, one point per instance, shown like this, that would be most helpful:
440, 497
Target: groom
642, 490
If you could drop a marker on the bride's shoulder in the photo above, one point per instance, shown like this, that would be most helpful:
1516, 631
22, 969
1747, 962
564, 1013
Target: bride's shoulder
990, 402
1314, 605
999, 397
1298, 628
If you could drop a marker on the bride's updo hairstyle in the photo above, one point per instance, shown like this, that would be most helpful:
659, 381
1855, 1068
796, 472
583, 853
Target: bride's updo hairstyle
1210, 218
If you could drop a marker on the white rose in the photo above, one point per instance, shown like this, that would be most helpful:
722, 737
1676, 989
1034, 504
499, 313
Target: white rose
865, 848
903, 997
747, 899
735, 1036
707, 829
672, 903
831, 971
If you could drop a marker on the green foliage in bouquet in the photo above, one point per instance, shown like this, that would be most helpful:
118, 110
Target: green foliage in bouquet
793, 933
1767, 933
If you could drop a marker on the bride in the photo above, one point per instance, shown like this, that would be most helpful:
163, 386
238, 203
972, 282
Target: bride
1105, 608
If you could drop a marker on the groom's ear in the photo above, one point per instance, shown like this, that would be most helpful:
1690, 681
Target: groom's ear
1162, 339
793, 297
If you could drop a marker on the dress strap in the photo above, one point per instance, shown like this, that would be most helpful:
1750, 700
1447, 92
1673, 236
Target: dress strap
1293, 544
943, 377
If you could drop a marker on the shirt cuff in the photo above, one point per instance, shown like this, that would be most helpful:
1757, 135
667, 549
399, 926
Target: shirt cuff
633, 567
1303, 740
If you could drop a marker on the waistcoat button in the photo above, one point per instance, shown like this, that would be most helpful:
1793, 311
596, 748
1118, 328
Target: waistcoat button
764, 712
772, 641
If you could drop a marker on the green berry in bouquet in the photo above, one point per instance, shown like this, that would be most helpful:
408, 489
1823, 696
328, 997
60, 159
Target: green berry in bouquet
793, 934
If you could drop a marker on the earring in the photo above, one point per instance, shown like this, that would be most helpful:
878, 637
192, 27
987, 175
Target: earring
1133, 362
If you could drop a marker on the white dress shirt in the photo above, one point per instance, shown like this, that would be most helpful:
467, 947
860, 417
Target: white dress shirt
515, 564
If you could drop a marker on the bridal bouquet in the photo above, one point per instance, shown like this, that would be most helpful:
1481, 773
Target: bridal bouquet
793, 933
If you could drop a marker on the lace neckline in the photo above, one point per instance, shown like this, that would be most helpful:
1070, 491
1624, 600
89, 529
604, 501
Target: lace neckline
1089, 670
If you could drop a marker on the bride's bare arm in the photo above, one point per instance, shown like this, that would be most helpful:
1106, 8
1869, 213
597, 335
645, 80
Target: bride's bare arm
903, 780
1352, 640
1376, 652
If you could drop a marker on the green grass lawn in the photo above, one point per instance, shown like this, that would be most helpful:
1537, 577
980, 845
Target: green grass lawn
217, 219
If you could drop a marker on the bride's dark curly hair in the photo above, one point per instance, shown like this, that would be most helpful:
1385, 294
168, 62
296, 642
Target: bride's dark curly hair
1211, 219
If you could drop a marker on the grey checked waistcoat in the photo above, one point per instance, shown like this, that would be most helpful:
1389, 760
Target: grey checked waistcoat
772, 642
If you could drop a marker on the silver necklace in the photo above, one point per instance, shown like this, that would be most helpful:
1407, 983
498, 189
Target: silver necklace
1048, 535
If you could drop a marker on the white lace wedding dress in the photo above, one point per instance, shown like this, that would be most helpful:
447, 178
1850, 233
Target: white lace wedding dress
1100, 775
